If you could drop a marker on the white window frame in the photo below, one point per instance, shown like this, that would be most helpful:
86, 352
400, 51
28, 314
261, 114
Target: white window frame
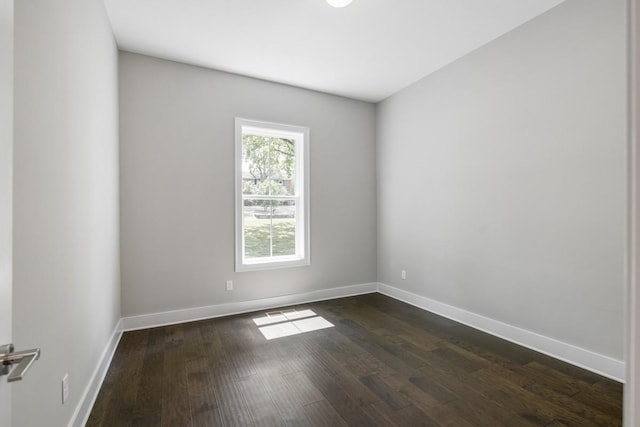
300, 135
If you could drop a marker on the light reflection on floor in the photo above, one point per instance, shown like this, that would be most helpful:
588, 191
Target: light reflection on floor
280, 324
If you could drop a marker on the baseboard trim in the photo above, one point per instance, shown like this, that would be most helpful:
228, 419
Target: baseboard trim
83, 410
594, 362
208, 312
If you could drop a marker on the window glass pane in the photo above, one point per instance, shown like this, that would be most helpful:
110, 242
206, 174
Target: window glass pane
257, 229
284, 228
268, 165
269, 228
283, 162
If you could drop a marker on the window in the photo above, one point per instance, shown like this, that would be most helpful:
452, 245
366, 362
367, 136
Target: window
272, 197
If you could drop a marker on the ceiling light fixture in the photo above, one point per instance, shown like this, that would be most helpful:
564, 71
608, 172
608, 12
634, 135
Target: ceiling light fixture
339, 3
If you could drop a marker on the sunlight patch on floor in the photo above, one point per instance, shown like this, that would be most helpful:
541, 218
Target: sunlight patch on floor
280, 324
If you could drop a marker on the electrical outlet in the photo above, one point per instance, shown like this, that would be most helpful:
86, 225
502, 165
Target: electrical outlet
229, 285
403, 274
65, 388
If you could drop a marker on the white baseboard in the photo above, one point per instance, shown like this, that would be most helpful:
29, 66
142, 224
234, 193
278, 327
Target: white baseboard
83, 410
598, 363
192, 314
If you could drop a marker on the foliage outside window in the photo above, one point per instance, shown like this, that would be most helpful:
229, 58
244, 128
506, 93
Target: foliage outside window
271, 195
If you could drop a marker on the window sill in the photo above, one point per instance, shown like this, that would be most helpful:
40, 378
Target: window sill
273, 264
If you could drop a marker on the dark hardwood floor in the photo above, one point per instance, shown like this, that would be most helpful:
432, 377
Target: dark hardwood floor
384, 363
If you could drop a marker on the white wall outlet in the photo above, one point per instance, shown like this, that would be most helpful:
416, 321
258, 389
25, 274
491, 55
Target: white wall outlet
65, 388
403, 274
229, 285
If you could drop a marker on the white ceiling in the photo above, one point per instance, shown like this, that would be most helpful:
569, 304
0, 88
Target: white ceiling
367, 50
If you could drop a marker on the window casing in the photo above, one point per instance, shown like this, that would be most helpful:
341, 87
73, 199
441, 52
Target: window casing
272, 195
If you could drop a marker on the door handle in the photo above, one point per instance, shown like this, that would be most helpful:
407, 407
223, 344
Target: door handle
23, 359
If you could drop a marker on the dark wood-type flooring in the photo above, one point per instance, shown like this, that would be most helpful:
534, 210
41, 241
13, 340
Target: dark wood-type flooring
385, 363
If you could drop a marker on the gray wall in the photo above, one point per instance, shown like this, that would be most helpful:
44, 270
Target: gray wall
66, 276
501, 179
631, 402
6, 185
177, 182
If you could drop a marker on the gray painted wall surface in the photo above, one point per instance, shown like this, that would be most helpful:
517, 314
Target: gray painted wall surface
66, 276
501, 179
631, 402
6, 187
177, 184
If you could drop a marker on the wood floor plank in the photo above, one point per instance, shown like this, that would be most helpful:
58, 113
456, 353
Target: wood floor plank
291, 393
377, 395
387, 354
202, 394
176, 410
238, 340
148, 409
394, 330
193, 347
360, 361
234, 410
573, 371
557, 423
387, 394
105, 395
121, 406
433, 389
525, 403
174, 336
498, 373
578, 408
459, 359
322, 414
583, 392
382, 363
300, 388
430, 403
259, 395
412, 416
469, 404
350, 406
472, 401
610, 388
505, 393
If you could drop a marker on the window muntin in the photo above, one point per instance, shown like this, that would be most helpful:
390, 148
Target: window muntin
271, 195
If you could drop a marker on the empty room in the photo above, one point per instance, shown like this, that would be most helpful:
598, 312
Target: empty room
319, 213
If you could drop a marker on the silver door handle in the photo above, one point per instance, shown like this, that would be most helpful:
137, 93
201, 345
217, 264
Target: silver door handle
23, 359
